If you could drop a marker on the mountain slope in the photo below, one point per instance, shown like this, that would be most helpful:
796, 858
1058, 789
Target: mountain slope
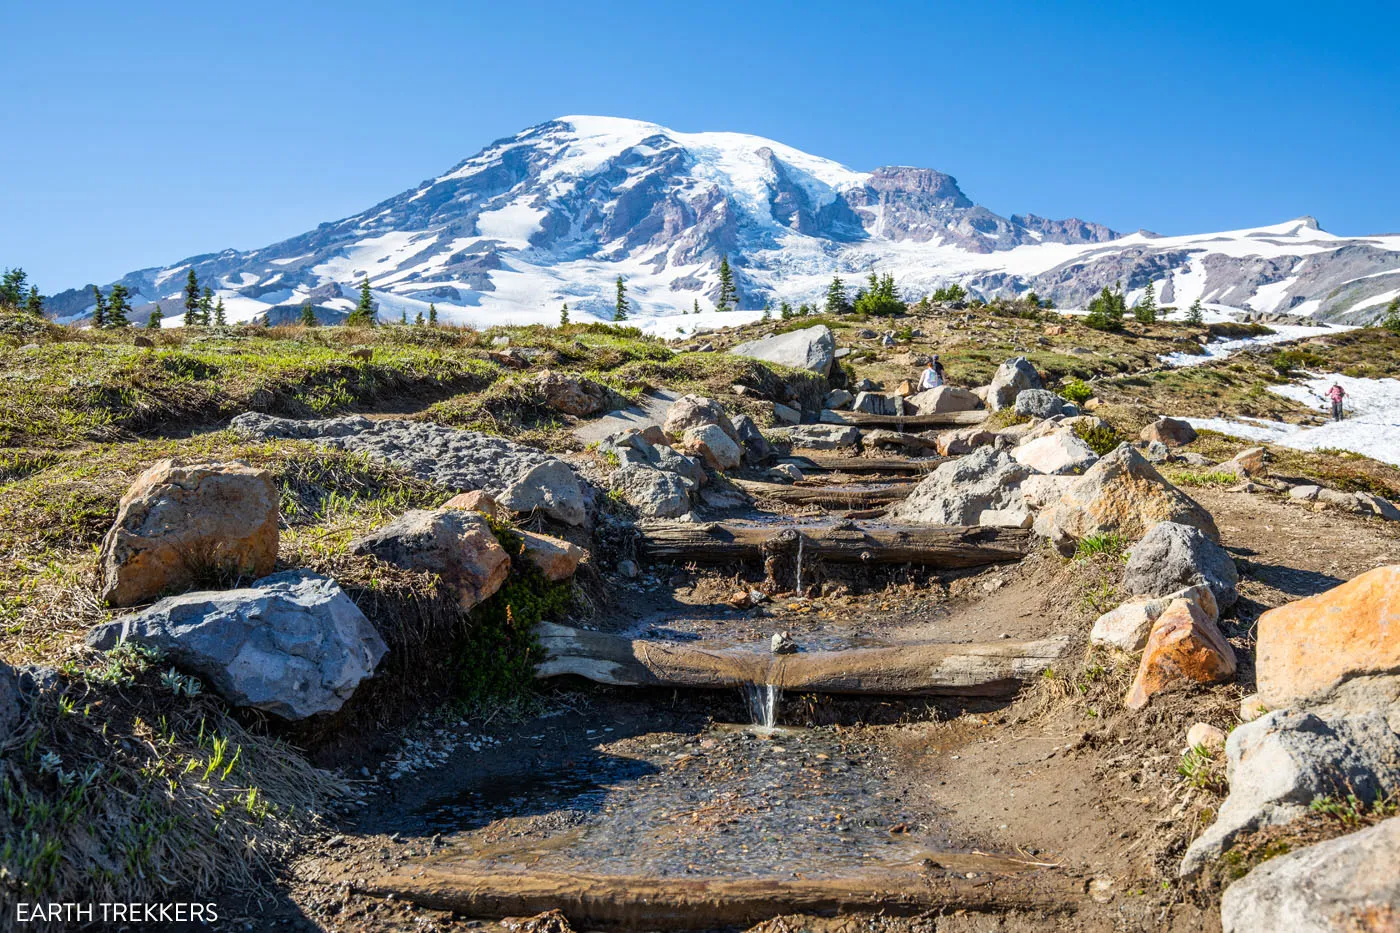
557, 212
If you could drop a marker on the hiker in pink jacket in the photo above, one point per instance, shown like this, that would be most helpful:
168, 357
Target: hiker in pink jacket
1336, 394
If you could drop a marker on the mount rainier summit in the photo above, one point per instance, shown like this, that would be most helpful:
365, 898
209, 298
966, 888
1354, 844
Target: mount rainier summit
557, 212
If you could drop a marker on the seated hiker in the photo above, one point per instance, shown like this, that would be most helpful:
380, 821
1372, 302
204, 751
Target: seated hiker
932, 376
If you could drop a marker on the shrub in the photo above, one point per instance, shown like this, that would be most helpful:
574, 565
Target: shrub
1101, 438
1077, 391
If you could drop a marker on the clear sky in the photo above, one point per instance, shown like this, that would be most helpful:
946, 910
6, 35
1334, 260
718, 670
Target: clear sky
141, 133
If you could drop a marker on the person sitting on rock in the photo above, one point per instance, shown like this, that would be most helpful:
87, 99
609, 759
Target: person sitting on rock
1336, 394
932, 376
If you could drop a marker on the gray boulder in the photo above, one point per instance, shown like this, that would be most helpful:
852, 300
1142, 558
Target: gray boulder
1012, 378
1347, 883
653, 492
551, 488
1279, 763
292, 644
824, 436
756, 446
812, 348
1060, 452
697, 411
942, 399
879, 403
710, 443
1172, 556
837, 399
1038, 403
458, 546
959, 491
785, 414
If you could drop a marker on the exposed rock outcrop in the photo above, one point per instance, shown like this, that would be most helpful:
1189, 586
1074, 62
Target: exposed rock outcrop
960, 491
1172, 555
457, 545
812, 348
178, 523
1012, 378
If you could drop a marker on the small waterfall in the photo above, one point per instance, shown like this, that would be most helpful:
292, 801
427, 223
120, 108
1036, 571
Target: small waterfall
763, 703
799, 565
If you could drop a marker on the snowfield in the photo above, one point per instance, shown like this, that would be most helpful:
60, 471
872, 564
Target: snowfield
1372, 425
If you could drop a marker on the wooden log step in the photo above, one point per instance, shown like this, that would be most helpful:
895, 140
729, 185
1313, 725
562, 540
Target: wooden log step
826, 497
946, 419
647, 902
929, 545
827, 463
976, 669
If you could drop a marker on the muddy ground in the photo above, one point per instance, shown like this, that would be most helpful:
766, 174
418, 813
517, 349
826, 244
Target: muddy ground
1058, 799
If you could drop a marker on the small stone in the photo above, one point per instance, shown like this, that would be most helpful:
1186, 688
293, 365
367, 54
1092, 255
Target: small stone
782, 643
629, 569
1204, 735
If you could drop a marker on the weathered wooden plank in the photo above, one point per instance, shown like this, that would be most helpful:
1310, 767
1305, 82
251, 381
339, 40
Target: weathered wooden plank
929, 545
946, 419
976, 669
827, 463
649, 902
826, 497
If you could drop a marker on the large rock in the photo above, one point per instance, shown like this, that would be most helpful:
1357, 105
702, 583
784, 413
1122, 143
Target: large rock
455, 459
1170, 431
1042, 491
1279, 763
1127, 627
959, 491
755, 444
1183, 648
812, 348
1171, 556
1012, 378
838, 399
961, 441
942, 399
1350, 883
697, 411
556, 558
1339, 646
551, 488
292, 644
455, 544
710, 443
1061, 452
879, 403
1123, 494
824, 436
652, 492
1038, 403
180, 522
572, 395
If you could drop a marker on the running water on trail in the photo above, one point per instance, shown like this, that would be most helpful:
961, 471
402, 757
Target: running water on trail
763, 702
798, 588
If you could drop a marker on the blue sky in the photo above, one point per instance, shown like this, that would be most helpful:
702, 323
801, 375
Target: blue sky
141, 133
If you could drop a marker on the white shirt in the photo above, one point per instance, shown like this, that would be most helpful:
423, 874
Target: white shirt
930, 379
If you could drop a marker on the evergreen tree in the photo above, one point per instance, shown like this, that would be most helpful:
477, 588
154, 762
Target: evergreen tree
220, 317
34, 304
1391, 320
206, 306
432, 315
1145, 311
153, 322
767, 314
1106, 311
363, 315
99, 310
12, 291
620, 312
308, 315
836, 297
697, 305
117, 307
881, 298
784, 310
418, 319
1194, 315
403, 316
191, 298
727, 296
564, 315
804, 309
949, 294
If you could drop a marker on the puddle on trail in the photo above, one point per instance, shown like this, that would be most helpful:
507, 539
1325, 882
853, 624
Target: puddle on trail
726, 801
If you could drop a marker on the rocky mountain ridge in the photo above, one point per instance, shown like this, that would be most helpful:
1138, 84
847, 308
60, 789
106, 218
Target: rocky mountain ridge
557, 212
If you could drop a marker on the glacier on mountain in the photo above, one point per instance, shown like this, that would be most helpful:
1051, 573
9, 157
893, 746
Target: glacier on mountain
557, 212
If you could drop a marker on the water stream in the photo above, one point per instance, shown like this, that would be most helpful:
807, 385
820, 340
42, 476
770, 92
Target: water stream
763, 702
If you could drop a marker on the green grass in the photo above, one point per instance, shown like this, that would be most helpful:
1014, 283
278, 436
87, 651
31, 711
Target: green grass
1201, 477
1112, 546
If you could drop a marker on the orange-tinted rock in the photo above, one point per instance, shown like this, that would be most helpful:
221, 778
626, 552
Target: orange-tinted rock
177, 524
1170, 431
1185, 647
478, 500
458, 546
1123, 494
557, 559
1344, 640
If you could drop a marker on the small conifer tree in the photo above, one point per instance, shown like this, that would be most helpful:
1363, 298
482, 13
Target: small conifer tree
432, 315
1194, 315
34, 304
308, 315
363, 315
1145, 311
696, 306
418, 319
191, 298
836, 297
1391, 320
564, 315
117, 307
620, 311
153, 322
727, 295
220, 317
99, 310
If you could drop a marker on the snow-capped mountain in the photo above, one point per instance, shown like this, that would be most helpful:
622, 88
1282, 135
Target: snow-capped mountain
557, 212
